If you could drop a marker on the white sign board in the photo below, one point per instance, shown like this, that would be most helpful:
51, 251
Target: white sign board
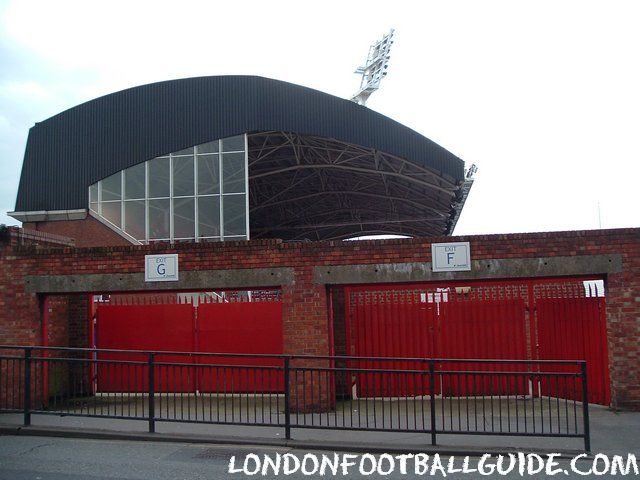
161, 268
451, 257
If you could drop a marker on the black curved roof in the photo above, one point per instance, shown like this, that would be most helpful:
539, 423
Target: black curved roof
74, 149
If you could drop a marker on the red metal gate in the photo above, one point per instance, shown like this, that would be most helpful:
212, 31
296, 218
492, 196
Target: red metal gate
482, 329
237, 322
392, 323
248, 327
535, 319
570, 328
143, 327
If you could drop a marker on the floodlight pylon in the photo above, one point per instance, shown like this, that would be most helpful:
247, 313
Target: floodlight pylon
374, 69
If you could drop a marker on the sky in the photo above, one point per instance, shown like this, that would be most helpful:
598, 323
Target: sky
543, 96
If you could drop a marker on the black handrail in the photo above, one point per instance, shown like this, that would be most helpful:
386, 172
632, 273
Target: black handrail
310, 357
434, 396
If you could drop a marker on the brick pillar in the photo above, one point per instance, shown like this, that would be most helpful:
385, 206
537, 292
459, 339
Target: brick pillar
79, 320
623, 332
305, 315
19, 319
339, 324
306, 332
343, 382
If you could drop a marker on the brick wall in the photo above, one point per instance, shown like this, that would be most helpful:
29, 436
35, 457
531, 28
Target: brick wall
86, 233
305, 311
13, 236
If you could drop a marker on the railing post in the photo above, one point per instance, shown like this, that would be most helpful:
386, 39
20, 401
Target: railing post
287, 413
151, 396
432, 399
27, 387
585, 407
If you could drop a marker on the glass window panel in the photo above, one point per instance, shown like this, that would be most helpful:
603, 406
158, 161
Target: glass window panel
183, 176
94, 207
209, 216
134, 219
186, 151
184, 218
159, 177
233, 173
134, 182
208, 174
112, 212
210, 147
234, 212
159, 219
111, 187
233, 144
93, 193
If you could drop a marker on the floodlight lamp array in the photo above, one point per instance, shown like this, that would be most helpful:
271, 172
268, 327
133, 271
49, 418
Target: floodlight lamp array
374, 70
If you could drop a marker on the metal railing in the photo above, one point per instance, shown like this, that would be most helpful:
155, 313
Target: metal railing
414, 395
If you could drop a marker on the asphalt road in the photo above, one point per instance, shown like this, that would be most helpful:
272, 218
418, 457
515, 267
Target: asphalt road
51, 458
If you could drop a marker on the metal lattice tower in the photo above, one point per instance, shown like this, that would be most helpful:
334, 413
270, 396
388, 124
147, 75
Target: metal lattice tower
374, 69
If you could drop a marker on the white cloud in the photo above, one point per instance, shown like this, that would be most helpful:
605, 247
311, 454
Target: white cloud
541, 95
30, 90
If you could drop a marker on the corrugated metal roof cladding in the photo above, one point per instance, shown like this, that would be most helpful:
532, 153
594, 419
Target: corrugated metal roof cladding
70, 151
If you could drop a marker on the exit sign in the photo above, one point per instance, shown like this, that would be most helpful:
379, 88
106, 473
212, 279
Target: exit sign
451, 257
161, 268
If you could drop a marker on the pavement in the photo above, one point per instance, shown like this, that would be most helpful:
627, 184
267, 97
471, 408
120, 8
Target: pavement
611, 433
54, 458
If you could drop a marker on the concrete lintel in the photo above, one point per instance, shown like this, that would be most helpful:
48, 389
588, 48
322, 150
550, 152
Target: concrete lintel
189, 280
480, 270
